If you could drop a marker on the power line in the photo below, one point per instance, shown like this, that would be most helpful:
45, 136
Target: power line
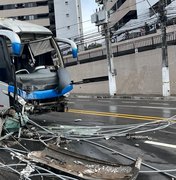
139, 23
75, 24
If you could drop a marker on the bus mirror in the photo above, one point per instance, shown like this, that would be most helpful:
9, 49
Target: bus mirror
16, 49
71, 43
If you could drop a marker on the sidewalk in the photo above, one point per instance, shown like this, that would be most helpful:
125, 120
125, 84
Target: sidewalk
134, 97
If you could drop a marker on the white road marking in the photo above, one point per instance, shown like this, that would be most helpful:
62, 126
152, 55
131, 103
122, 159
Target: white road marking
161, 144
70, 102
165, 104
147, 107
82, 100
129, 102
104, 101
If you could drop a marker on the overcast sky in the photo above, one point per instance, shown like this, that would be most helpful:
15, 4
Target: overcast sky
88, 8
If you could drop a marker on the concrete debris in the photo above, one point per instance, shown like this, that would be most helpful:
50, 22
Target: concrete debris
107, 137
12, 121
83, 166
26, 172
52, 151
78, 162
77, 120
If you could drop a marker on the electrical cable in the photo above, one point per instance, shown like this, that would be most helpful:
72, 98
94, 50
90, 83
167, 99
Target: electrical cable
41, 168
142, 125
164, 170
49, 174
89, 20
9, 149
10, 168
121, 9
39, 174
134, 24
11, 165
124, 131
131, 128
34, 123
130, 158
20, 144
37, 140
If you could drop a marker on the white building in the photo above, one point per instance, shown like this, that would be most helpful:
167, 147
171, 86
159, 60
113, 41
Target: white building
39, 12
62, 17
147, 12
68, 19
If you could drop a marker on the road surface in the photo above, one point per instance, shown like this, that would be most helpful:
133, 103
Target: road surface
117, 120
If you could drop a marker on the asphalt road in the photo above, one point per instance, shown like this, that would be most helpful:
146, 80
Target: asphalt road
119, 119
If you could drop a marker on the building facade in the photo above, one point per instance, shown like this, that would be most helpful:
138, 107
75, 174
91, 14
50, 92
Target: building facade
62, 17
68, 18
40, 12
121, 11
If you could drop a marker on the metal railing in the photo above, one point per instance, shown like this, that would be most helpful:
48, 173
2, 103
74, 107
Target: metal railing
131, 45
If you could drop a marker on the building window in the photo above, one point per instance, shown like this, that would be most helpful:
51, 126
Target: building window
17, 6
67, 15
66, 2
68, 27
31, 17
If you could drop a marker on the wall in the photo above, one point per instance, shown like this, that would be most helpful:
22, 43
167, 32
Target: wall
138, 73
172, 66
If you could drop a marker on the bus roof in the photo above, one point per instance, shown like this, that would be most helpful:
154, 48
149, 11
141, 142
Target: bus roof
21, 27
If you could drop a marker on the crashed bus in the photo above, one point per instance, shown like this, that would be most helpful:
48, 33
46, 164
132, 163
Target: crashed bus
33, 80
32, 73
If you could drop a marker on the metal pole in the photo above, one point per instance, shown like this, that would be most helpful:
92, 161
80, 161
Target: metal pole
165, 67
111, 71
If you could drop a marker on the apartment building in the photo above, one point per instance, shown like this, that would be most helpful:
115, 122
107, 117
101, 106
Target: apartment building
40, 12
62, 17
121, 11
68, 18
148, 13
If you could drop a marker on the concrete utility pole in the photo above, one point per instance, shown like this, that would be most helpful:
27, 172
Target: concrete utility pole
102, 18
165, 67
111, 70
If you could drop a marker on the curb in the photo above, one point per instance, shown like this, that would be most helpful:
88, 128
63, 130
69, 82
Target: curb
135, 97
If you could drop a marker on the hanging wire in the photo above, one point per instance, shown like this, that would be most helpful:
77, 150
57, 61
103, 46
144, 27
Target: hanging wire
130, 158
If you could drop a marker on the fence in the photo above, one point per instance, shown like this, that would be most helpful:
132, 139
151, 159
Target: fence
139, 44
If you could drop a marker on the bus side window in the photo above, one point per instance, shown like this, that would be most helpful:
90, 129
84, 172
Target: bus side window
3, 72
5, 67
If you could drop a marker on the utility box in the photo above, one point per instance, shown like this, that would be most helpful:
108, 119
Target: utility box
94, 18
102, 16
99, 17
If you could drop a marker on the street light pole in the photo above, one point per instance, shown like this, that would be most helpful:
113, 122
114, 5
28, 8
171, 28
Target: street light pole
165, 66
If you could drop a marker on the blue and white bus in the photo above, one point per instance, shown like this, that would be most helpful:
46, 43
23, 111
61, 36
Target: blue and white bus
32, 68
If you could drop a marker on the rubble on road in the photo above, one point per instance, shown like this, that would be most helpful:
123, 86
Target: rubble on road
27, 153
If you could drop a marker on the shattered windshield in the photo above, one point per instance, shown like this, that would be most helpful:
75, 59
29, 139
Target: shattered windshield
41, 47
40, 52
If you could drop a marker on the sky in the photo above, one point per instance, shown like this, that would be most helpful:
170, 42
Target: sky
88, 8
